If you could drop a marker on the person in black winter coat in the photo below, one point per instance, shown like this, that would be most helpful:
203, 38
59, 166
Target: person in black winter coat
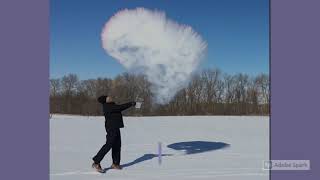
113, 123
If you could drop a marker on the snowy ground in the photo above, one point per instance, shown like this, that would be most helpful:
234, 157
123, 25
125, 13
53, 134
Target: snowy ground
194, 147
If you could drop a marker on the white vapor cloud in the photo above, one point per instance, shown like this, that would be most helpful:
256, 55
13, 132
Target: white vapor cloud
165, 51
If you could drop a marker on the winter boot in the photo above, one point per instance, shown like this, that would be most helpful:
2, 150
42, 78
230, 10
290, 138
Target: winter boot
97, 167
114, 166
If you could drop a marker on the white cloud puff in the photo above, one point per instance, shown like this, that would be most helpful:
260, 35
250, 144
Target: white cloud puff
165, 51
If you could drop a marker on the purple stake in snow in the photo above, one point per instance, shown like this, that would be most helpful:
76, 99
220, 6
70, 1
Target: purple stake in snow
159, 153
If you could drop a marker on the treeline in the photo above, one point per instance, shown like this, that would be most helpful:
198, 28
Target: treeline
210, 92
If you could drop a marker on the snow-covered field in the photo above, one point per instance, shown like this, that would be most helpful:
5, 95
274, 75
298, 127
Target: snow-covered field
193, 147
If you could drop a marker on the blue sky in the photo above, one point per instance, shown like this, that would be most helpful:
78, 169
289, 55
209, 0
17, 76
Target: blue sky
237, 33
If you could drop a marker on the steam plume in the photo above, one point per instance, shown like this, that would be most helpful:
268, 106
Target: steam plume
165, 51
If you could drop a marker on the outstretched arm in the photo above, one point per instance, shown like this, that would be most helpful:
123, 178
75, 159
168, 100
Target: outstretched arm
121, 107
126, 105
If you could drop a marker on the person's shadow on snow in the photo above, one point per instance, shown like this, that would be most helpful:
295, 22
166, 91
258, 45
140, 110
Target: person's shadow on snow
145, 157
189, 147
193, 147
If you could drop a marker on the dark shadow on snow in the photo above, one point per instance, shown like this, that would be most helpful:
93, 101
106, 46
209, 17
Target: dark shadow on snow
189, 147
145, 157
193, 147
106, 169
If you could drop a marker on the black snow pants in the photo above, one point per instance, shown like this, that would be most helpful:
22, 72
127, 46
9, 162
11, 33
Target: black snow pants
113, 142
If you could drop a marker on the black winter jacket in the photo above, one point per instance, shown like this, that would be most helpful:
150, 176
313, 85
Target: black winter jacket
112, 113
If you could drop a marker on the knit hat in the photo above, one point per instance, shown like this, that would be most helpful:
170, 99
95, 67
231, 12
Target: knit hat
102, 99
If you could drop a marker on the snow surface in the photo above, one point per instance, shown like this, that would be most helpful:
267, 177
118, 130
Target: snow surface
193, 147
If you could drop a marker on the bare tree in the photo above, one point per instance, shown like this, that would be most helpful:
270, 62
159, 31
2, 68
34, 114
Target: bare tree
55, 87
69, 88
